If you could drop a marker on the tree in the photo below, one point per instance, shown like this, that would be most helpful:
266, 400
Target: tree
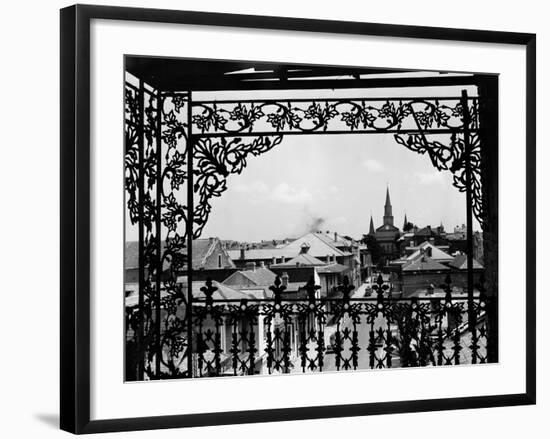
408, 227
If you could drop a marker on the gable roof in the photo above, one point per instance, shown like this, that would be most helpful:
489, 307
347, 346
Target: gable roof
437, 253
258, 276
261, 253
202, 249
223, 292
461, 262
339, 242
425, 231
318, 246
424, 263
332, 268
302, 260
131, 255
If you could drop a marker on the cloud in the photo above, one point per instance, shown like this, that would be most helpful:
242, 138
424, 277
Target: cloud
373, 165
285, 193
429, 177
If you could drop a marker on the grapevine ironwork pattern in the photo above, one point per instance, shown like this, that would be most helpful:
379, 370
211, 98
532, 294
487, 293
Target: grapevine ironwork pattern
155, 174
296, 335
423, 125
214, 118
448, 154
214, 159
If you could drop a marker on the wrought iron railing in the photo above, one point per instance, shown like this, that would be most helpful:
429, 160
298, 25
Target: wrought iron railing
314, 334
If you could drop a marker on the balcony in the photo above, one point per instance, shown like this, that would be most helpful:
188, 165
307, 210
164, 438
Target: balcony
311, 334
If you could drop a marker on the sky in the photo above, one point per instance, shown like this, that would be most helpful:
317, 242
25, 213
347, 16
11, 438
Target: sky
334, 182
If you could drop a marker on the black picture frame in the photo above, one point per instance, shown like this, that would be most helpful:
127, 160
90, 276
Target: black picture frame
75, 217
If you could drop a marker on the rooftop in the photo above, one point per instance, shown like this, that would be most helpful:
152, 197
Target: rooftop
461, 262
424, 263
302, 260
437, 253
259, 276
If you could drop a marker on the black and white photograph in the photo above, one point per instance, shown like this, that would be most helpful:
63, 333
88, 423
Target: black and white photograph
282, 219
298, 219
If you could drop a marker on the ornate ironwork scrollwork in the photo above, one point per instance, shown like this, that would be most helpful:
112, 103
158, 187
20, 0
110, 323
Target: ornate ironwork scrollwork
450, 156
155, 172
225, 136
325, 115
432, 126
308, 335
214, 160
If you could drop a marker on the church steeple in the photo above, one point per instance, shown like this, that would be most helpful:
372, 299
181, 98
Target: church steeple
405, 222
371, 228
388, 216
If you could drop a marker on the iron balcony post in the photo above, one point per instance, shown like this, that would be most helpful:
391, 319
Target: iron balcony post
469, 222
141, 259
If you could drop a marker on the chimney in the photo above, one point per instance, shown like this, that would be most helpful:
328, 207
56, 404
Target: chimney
250, 266
304, 248
273, 260
242, 252
284, 278
429, 252
432, 240
335, 236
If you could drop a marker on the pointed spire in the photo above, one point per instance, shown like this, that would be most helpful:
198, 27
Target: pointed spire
405, 221
388, 215
371, 228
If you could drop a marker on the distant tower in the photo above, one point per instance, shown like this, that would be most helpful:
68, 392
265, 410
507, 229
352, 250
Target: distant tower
371, 228
388, 216
405, 222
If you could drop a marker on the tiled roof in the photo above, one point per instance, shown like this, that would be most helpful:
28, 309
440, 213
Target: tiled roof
259, 276
302, 260
202, 248
425, 231
437, 253
222, 293
424, 263
332, 268
262, 253
319, 247
461, 262
329, 239
131, 255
